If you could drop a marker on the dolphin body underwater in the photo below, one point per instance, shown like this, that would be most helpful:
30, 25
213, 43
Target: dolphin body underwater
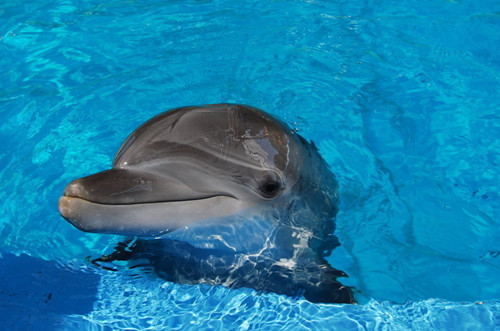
228, 195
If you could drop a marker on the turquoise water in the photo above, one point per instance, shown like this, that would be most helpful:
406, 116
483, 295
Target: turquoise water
402, 98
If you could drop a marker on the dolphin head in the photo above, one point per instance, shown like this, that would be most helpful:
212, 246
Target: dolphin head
247, 202
188, 166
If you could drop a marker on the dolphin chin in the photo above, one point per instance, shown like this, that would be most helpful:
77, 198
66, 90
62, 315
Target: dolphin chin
231, 195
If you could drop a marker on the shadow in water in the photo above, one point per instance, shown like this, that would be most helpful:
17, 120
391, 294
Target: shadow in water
179, 262
35, 292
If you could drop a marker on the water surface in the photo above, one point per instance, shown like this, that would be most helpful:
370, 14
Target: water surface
401, 98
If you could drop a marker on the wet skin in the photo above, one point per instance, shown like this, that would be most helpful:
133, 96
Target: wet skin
227, 194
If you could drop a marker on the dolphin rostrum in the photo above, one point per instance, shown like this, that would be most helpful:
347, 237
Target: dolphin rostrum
228, 194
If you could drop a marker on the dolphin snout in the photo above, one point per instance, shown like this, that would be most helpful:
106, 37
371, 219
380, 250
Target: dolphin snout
75, 189
64, 207
69, 210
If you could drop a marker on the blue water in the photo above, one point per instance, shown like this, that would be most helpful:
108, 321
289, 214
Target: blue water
401, 97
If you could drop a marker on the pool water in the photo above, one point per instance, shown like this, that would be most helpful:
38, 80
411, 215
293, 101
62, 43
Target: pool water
402, 99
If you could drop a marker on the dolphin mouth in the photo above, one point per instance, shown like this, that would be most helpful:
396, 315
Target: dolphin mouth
151, 219
69, 197
128, 187
122, 201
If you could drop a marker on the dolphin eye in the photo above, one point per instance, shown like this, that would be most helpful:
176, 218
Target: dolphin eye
270, 189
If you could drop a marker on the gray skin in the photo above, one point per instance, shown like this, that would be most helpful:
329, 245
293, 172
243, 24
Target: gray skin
225, 183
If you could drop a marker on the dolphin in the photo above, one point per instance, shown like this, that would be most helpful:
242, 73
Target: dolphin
221, 194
